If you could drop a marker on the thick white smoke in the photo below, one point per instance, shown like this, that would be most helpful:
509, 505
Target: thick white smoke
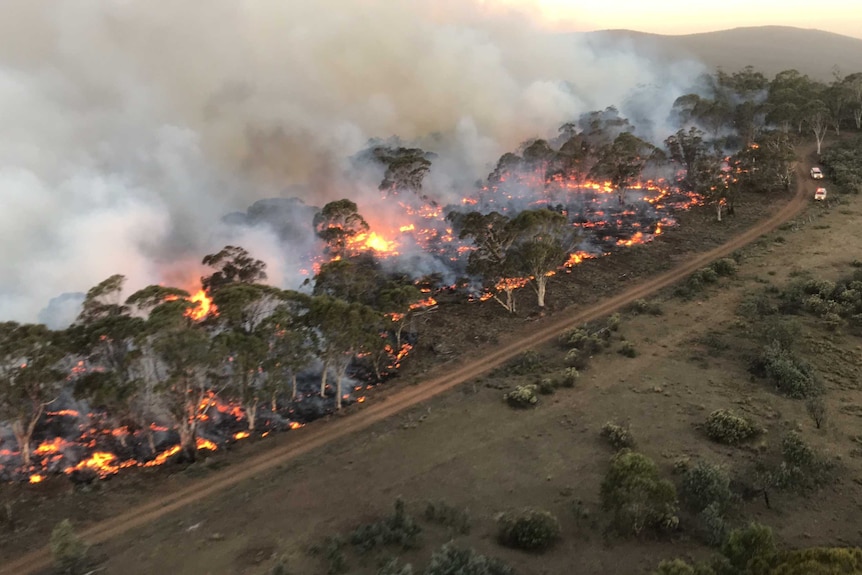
130, 127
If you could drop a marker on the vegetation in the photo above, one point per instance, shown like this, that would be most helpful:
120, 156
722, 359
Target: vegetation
68, 551
636, 497
399, 529
522, 396
456, 519
617, 436
451, 559
724, 426
529, 529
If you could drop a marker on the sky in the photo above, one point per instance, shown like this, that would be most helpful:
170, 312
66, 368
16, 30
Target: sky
688, 17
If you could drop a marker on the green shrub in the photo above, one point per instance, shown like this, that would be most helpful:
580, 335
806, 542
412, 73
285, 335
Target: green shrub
643, 307
457, 520
801, 467
527, 363
450, 560
67, 549
704, 276
570, 377
332, 551
724, 426
703, 485
792, 376
547, 386
398, 529
712, 524
577, 359
627, 349
750, 549
674, 567
820, 561
584, 340
529, 529
392, 568
618, 436
755, 306
783, 331
636, 497
522, 396
724, 267
614, 322
279, 568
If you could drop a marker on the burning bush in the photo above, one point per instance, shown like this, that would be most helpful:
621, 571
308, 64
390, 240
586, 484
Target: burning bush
68, 551
618, 436
529, 529
724, 426
522, 396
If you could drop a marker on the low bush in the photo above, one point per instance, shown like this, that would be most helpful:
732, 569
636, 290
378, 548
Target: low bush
791, 375
724, 426
570, 377
725, 267
529, 529
392, 568
801, 467
332, 550
750, 549
816, 409
627, 349
704, 276
67, 549
527, 363
456, 519
577, 359
451, 560
636, 497
618, 436
704, 485
522, 396
712, 525
398, 529
757, 305
546, 386
644, 307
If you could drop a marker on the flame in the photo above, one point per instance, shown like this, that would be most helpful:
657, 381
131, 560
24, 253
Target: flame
204, 308
295, 425
52, 446
37, 478
63, 413
241, 435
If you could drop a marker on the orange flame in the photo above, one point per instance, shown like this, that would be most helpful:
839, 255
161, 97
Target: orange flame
37, 478
241, 435
204, 308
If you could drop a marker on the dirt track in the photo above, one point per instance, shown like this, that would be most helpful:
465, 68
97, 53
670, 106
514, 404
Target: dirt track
318, 434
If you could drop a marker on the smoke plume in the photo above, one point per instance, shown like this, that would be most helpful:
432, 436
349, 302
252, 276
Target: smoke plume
130, 128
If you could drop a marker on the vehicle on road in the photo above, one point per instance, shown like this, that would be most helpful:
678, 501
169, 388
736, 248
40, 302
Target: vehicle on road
816, 173
820, 194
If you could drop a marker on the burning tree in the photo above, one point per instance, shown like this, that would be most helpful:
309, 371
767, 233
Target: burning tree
29, 378
687, 148
337, 223
291, 343
622, 161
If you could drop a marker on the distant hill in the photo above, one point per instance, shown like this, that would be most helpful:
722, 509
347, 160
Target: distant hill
770, 49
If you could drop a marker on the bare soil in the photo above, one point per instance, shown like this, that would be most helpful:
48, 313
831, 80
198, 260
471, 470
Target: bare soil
234, 512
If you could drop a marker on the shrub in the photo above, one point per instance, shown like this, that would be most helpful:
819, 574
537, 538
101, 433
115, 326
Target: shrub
791, 376
636, 496
723, 426
712, 524
757, 305
332, 551
67, 549
749, 549
529, 529
627, 349
522, 396
577, 359
614, 322
581, 339
547, 386
397, 529
783, 331
704, 485
392, 568
570, 377
724, 267
618, 436
643, 307
820, 561
457, 520
816, 408
801, 467
674, 567
704, 276
451, 560
526, 363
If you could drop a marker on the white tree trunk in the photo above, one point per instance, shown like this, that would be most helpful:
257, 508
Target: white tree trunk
718, 210
251, 414
541, 287
323, 378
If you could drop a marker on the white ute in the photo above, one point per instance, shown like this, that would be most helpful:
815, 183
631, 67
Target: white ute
816, 173
820, 194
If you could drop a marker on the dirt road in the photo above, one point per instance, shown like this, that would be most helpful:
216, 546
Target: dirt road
317, 434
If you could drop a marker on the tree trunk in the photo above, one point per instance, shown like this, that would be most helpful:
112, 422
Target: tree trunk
541, 287
187, 440
323, 379
857, 115
251, 414
23, 440
293, 386
718, 210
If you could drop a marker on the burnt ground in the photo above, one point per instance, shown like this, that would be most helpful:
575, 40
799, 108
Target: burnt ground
547, 457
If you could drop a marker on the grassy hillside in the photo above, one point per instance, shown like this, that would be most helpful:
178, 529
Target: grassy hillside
767, 48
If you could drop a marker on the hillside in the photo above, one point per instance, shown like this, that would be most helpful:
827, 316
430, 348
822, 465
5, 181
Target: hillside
767, 48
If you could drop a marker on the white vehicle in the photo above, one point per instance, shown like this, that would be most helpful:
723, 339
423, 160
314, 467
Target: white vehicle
820, 194
816, 173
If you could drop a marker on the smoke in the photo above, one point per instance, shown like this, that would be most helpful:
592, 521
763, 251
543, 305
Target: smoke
130, 128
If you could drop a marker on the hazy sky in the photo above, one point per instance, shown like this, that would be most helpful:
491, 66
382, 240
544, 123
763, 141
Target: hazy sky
687, 16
